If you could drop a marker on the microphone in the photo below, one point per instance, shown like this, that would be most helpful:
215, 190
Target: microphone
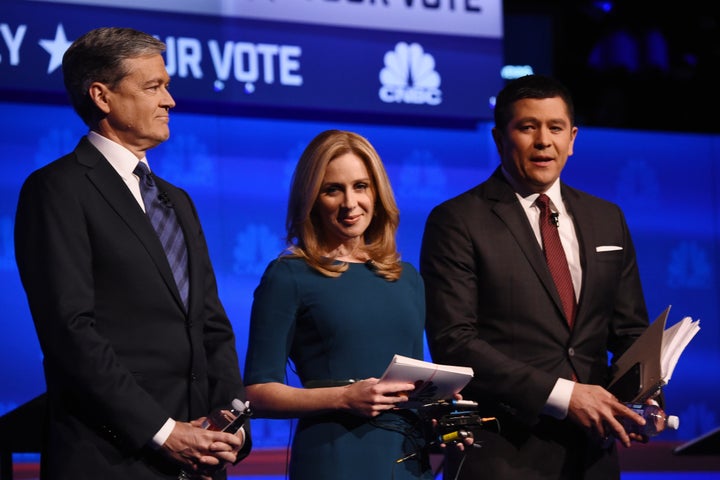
555, 218
456, 436
165, 200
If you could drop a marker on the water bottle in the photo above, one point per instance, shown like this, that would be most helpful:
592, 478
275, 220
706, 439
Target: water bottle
656, 420
228, 419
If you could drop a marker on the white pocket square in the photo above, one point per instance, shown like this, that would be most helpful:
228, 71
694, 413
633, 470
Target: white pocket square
607, 248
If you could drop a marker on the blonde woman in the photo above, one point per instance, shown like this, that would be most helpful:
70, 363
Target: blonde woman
339, 303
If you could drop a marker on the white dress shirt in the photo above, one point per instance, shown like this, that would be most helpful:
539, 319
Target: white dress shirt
559, 399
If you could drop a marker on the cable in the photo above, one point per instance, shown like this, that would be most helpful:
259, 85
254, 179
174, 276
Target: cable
290, 366
460, 465
410, 426
287, 449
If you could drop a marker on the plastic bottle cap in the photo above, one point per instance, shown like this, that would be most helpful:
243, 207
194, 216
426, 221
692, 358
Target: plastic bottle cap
673, 422
240, 406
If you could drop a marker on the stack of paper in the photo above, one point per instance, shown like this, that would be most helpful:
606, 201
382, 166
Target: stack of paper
674, 341
432, 381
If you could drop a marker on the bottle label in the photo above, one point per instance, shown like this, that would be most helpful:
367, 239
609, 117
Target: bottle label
228, 419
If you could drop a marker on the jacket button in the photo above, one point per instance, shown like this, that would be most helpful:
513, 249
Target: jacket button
571, 352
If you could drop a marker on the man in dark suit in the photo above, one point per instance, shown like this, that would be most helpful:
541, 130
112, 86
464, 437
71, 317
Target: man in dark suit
492, 304
131, 364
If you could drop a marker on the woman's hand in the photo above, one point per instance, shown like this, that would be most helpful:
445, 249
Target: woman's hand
369, 398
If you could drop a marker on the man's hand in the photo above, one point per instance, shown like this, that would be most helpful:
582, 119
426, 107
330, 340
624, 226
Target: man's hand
596, 409
202, 451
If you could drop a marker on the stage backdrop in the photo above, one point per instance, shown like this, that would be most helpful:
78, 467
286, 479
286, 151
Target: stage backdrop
238, 171
235, 156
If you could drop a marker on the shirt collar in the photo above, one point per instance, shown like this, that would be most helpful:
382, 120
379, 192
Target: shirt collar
527, 199
121, 159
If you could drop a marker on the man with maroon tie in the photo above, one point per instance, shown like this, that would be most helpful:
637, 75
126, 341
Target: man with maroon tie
531, 283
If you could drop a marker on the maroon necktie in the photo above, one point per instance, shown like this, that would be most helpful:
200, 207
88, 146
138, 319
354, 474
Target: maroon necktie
555, 257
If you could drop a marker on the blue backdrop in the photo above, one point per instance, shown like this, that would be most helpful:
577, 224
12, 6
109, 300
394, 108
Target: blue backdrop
238, 170
255, 85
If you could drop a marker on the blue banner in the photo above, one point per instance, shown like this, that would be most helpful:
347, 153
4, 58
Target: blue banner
246, 66
469, 18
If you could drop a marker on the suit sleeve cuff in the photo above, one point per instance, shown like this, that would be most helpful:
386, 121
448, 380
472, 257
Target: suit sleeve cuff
162, 435
558, 401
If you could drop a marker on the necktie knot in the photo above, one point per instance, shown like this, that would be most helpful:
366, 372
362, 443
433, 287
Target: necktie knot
543, 201
143, 173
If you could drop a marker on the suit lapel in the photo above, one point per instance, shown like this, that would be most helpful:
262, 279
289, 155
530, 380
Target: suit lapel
112, 188
508, 208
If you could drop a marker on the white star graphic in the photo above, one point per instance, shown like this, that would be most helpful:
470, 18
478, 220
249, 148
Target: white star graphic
56, 48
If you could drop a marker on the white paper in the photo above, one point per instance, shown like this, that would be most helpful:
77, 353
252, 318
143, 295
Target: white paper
674, 341
433, 381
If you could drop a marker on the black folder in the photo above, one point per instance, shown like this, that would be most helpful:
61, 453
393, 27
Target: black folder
637, 373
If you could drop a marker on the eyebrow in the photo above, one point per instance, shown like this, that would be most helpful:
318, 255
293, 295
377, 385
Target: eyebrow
157, 80
364, 179
531, 119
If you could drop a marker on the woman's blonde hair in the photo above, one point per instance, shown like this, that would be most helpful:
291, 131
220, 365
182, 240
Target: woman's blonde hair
304, 228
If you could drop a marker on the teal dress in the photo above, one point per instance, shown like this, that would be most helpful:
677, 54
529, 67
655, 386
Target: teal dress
335, 330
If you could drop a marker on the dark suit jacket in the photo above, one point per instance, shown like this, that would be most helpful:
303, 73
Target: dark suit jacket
492, 305
120, 353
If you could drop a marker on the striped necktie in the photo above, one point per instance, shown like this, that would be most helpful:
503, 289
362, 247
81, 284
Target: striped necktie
162, 216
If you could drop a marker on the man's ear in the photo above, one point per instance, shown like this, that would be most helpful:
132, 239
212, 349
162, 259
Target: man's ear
497, 136
98, 93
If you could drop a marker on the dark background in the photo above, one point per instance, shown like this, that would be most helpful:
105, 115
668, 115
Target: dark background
635, 64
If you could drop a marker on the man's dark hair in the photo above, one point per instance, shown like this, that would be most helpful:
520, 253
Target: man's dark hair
530, 86
99, 56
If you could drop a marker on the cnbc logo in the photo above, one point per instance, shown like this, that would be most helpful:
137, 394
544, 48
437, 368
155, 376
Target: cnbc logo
409, 76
